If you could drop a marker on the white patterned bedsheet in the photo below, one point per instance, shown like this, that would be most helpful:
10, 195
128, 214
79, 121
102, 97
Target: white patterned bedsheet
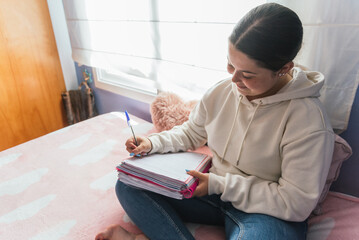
61, 186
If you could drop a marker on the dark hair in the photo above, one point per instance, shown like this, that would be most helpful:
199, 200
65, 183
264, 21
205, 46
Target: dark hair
271, 34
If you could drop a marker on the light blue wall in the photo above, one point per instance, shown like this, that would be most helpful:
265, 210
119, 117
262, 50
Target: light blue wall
108, 102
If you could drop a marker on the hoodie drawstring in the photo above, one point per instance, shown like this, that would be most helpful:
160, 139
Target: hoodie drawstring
230, 135
246, 131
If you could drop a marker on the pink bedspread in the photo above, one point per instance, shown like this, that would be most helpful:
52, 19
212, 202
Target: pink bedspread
61, 186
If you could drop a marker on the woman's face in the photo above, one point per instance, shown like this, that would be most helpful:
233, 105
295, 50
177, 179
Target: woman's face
252, 81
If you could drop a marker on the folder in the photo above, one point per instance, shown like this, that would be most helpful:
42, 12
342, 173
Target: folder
164, 173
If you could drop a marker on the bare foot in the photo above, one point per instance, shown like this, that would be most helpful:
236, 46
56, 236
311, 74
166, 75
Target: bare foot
116, 232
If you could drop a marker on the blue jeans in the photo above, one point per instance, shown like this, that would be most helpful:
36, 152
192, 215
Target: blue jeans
160, 217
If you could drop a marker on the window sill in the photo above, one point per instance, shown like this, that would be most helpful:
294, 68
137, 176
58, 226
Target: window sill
113, 86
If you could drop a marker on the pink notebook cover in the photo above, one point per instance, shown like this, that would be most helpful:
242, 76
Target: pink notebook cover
187, 193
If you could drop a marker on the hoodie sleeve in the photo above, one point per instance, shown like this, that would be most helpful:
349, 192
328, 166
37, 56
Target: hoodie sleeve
305, 165
189, 135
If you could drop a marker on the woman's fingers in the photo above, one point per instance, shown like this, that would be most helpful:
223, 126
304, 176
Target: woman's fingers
196, 174
144, 146
202, 188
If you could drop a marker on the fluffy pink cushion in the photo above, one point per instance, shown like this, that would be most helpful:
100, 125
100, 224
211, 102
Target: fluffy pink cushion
169, 110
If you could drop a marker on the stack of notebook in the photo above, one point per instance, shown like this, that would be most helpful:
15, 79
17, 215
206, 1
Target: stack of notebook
164, 173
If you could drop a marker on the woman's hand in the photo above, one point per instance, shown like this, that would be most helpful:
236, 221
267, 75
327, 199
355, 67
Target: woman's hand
202, 188
144, 145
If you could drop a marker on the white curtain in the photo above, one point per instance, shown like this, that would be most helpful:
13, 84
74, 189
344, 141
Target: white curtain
331, 46
182, 44
179, 44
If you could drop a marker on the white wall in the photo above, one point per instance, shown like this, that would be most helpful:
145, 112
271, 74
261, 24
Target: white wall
59, 26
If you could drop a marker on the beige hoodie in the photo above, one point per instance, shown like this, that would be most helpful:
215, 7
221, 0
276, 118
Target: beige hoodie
270, 155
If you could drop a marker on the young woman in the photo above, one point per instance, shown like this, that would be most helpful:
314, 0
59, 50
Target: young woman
270, 137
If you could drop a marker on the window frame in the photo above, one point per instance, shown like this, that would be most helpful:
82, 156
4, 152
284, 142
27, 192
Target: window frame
118, 85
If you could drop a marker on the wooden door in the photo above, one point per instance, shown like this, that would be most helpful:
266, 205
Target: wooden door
31, 78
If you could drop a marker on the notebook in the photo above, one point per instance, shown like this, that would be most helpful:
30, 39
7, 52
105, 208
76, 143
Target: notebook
164, 173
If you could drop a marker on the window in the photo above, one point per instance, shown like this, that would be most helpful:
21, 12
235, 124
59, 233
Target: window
141, 47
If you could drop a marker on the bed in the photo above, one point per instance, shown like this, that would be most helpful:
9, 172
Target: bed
61, 186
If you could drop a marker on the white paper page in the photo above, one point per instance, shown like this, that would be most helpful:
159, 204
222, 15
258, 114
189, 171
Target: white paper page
172, 165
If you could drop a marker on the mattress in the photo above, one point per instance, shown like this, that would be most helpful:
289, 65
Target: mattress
61, 186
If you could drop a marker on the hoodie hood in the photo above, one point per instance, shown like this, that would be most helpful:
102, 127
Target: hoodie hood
303, 84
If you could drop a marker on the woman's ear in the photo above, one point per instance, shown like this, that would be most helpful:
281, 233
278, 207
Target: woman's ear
287, 67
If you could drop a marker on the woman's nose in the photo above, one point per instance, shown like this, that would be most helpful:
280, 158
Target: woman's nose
236, 75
